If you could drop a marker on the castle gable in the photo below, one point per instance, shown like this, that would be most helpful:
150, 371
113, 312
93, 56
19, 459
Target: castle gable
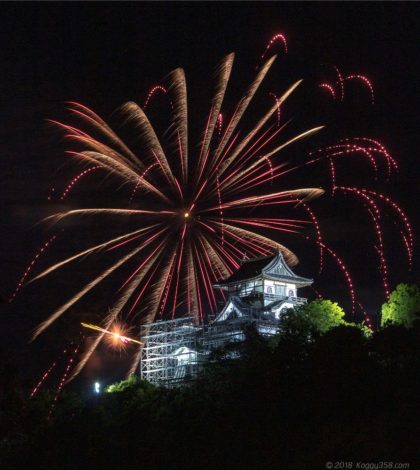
272, 267
234, 308
278, 268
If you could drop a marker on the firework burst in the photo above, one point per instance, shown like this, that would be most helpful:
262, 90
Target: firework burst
195, 214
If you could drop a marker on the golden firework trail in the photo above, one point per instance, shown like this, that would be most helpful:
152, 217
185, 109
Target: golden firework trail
115, 334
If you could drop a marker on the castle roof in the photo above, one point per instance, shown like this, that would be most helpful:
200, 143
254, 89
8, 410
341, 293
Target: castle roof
249, 269
271, 267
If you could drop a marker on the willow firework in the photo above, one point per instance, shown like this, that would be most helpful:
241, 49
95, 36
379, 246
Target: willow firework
196, 214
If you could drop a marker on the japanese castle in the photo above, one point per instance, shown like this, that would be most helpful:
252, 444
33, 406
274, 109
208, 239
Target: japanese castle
258, 293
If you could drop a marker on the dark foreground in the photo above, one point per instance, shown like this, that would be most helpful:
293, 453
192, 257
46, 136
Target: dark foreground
289, 403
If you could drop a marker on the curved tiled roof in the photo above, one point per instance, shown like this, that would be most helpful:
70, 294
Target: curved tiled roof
249, 269
256, 267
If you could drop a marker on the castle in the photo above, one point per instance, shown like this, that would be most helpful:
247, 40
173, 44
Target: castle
259, 292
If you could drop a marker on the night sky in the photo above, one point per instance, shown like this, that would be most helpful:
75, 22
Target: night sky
105, 54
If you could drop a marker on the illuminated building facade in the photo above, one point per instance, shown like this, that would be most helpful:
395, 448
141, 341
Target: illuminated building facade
258, 293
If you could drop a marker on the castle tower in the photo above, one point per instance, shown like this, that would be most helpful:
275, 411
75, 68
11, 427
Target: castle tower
261, 287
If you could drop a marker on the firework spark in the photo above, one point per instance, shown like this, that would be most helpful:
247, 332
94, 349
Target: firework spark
328, 87
278, 107
280, 38
340, 82
43, 379
117, 334
63, 378
76, 179
31, 266
156, 89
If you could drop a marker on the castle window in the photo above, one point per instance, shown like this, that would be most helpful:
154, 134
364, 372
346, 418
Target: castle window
280, 290
269, 290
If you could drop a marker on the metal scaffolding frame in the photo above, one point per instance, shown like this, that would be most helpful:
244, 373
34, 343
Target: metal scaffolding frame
169, 354
175, 351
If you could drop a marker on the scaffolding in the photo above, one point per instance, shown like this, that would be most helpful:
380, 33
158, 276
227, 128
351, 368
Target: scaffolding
176, 351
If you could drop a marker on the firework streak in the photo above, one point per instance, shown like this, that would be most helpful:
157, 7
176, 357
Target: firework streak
114, 334
62, 381
332, 87
43, 378
31, 265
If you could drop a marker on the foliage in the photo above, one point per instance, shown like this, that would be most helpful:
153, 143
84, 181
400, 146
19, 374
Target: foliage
316, 317
403, 306
123, 385
367, 332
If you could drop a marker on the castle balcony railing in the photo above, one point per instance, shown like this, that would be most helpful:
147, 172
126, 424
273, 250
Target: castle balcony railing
293, 300
255, 295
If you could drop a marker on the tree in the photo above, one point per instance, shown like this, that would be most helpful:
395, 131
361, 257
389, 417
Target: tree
317, 316
403, 306
123, 385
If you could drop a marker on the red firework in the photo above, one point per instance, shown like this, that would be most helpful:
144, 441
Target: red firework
277, 38
338, 88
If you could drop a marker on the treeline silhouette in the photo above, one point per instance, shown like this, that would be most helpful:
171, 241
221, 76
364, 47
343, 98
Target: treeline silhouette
293, 401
